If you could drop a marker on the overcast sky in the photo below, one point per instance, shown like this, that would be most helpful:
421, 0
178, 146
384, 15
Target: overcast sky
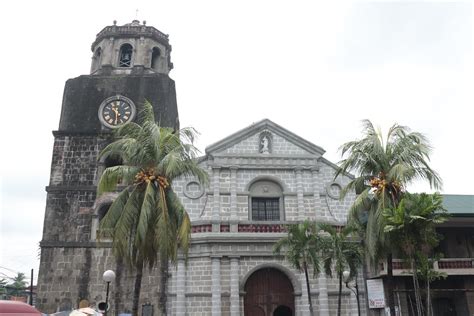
315, 67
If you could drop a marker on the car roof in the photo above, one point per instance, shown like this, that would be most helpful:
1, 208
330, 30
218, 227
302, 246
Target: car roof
8, 308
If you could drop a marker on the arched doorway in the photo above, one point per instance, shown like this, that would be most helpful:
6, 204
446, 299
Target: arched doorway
269, 292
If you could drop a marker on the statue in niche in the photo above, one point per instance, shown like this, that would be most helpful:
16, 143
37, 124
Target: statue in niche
265, 145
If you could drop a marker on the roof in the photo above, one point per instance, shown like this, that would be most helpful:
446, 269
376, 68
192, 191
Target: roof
460, 205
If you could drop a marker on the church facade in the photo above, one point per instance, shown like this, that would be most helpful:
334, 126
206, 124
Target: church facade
262, 178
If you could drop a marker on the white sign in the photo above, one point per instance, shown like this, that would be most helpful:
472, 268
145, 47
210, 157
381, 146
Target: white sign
375, 293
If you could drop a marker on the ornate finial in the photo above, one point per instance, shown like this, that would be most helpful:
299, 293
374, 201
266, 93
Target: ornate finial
136, 14
115, 22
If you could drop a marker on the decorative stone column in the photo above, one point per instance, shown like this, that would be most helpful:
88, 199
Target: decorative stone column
318, 207
323, 295
234, 286
180, 288
216, 285
299, 194
216, 206
233, 200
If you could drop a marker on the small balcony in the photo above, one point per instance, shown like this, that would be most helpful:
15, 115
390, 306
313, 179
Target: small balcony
450, 266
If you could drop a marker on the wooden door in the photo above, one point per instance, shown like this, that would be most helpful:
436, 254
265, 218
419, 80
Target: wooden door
269, 291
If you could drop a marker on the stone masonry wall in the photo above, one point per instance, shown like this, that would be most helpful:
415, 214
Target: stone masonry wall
70, 275
75, 160
331, 207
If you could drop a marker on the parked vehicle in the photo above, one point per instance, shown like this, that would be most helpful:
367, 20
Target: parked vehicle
14, 308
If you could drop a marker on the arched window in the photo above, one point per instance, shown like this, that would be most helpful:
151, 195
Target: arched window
266, 201
102, 211
100, 214
125, 57
112, 161
155, 55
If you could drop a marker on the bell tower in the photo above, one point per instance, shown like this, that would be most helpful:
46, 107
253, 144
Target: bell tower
131, 48
130, 64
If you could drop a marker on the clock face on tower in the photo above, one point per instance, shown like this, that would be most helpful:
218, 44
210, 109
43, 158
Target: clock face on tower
116, 111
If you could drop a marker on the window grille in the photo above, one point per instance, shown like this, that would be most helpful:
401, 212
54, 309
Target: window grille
265, 209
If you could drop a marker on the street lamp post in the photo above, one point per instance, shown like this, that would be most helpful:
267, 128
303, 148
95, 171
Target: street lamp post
108, 276
345, 275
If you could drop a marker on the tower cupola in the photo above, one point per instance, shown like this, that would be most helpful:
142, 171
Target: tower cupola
132, 48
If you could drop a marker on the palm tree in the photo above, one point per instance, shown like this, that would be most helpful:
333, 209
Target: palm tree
341, 252
383, 169
19, 284
3, 287
301, 249
412, 224
147, 221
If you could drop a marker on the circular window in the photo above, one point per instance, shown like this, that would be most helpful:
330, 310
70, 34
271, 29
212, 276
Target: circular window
193, 190
333, 190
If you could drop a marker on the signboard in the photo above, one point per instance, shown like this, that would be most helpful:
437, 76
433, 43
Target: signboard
375, 293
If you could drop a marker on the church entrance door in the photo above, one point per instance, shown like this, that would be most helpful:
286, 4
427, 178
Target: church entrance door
269, 292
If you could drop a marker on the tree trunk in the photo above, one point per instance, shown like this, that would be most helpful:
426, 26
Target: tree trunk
416, 286
164, 276
428, 297
307, 288
137, 288
390, 285
340, 294
365, 272
118, 302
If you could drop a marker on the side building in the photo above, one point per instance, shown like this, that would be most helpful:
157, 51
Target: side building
452, 294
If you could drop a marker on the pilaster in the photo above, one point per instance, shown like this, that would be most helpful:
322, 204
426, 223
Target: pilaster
323, 295
233, 199
316, 193
180, 288
216, 285
304, 297
234, 286
353, 304
216, 200
299, 193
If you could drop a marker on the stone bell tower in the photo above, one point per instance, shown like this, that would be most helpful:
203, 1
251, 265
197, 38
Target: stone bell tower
130, 64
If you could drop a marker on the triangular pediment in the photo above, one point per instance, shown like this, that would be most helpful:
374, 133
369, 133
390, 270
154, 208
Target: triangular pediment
262, 138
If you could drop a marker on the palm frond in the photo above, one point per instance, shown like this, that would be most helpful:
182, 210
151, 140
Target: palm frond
146, 214
113, 176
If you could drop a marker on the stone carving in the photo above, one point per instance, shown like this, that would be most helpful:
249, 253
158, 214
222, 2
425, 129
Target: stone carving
193, 190
265, 143
333, 190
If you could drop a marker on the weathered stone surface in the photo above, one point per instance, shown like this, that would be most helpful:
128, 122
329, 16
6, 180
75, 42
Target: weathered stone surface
72, 262
84, 94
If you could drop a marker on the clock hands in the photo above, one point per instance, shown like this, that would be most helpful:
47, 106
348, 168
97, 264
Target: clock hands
117, 114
